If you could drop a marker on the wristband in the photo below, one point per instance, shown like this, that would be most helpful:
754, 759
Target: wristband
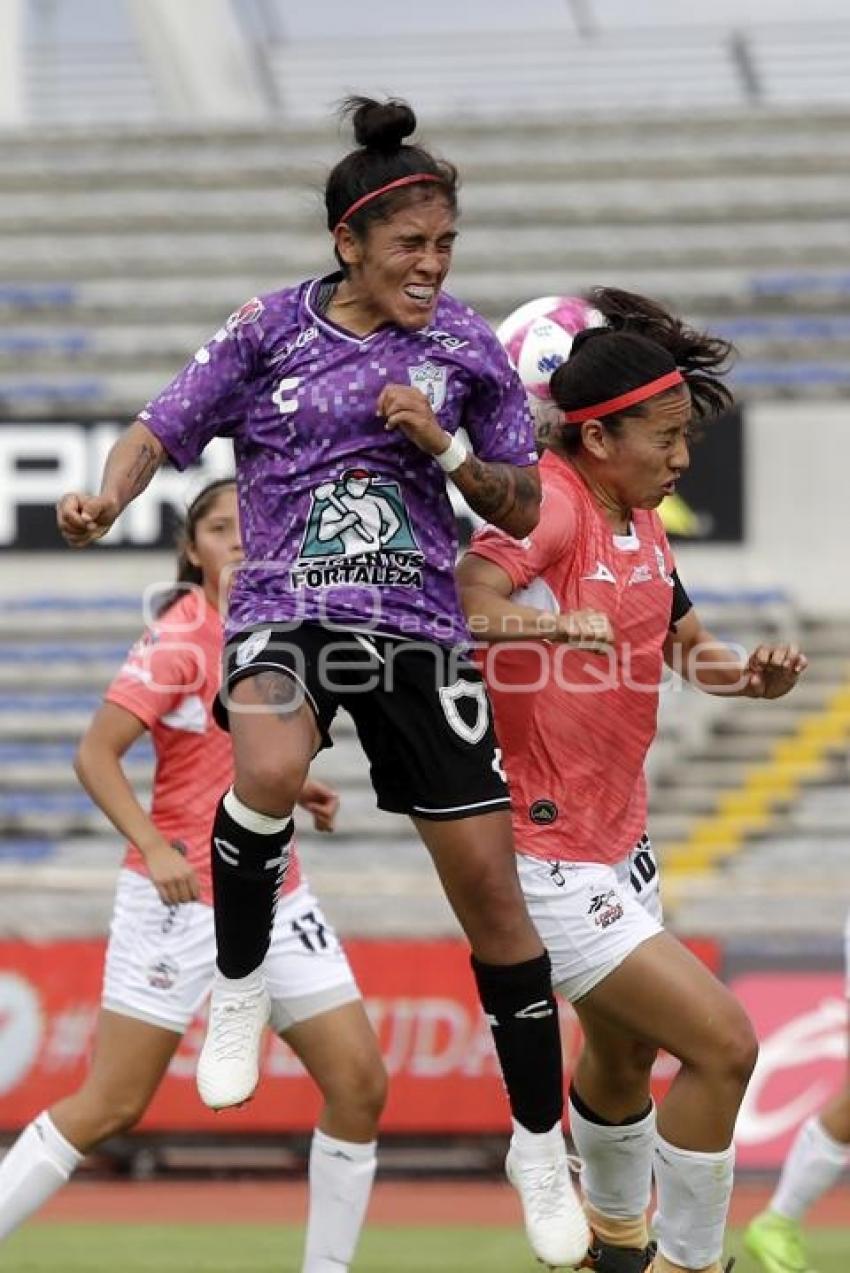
454, 455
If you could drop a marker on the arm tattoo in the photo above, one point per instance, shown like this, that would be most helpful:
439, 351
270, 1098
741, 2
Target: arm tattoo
142, 468
494, 491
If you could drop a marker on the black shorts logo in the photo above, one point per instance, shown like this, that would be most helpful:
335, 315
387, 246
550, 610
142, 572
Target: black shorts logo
543, 812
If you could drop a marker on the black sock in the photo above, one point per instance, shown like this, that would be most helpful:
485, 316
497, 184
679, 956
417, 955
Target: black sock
519, 1001
591, 1116
247, 870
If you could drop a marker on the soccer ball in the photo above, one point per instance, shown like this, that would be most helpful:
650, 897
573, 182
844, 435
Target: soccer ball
538, 337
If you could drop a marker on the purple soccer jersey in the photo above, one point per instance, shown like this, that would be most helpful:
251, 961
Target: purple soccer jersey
342, 521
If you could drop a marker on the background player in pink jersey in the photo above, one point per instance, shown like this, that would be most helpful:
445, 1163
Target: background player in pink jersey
344, 397
160, 961
575, 728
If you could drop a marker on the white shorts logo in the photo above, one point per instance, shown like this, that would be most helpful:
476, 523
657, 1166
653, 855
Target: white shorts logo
252, 646
451, 695
163, 973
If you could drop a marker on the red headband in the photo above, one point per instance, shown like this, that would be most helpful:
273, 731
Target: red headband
640, 394
391, 185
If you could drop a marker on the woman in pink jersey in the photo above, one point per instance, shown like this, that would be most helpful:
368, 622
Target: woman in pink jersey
575, 727
160, 960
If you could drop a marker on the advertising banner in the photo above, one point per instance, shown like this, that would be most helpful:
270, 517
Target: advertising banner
801, 1021
420, 995
41, 461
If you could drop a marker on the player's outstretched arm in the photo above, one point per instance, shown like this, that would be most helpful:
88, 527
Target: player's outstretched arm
505, 495
129, 467
712, 666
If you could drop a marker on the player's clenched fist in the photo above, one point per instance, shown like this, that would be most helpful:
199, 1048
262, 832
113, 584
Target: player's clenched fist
407, 409
84, 518
589, 629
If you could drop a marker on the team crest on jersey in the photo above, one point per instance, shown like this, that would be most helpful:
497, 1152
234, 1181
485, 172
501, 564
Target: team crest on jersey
432, 380
358, 533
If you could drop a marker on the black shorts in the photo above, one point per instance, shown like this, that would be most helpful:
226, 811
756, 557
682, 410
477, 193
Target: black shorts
421, 711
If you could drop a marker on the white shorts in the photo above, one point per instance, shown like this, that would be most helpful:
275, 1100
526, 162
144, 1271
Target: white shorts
160, 959
591, 917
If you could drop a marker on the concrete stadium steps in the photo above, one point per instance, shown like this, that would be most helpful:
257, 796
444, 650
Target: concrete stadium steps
122, 250
600, 246
647, 145
626, 200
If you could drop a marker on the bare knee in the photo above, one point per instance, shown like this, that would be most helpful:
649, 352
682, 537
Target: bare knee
104, 1115
268, 787
357, 1090
733, 1049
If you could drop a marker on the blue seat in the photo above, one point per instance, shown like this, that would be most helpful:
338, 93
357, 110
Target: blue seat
56, 653
22, 850
34, 295
778, 375
54, 703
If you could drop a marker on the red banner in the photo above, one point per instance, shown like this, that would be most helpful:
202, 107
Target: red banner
801, 1021
420, 996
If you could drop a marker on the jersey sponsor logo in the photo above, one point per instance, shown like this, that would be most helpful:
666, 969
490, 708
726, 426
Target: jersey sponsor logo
444, 339
248, 313
305, 337
466, 697
640, 574
543, 812
602, 574
432, 380
663, 572
605, 909
253, 645
358, 532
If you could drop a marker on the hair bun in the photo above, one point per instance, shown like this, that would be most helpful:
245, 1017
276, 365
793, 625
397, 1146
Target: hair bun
380, 126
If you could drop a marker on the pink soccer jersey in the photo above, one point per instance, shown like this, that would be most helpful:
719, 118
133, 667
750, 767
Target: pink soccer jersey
575, 726
169, 681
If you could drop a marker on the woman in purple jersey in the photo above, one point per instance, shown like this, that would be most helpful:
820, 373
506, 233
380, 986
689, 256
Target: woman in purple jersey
344, 398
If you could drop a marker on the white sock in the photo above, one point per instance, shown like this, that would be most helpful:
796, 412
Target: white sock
542, 1145
33, 1170
814, 1163
616, 1164
694, 1190
341, 1174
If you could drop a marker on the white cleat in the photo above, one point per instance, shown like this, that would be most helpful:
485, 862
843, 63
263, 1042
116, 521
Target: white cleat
556, 1225
229, 1064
